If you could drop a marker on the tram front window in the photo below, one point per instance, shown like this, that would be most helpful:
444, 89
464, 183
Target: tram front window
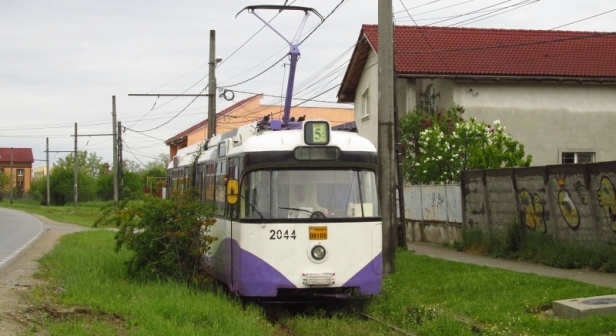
292, 194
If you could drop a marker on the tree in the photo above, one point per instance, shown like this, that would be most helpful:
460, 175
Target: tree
89, 164
437, 146
4, 184
161, 162
62, 176
132, 186
130, 165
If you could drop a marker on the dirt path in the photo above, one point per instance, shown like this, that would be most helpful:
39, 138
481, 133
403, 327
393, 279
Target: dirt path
18, 276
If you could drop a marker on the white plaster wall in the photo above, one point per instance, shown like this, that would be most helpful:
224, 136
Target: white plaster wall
368, 127
547, 118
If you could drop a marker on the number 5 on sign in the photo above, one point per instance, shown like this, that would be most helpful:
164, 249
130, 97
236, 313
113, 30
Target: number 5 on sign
319, 133
316, 132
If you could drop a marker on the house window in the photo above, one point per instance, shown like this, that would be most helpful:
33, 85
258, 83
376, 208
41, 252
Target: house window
20, 172
365, 104
578, 157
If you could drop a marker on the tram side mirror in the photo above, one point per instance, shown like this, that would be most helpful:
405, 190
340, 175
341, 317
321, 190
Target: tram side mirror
232, 191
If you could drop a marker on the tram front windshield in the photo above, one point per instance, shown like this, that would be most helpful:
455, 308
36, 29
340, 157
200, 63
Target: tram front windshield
296, 194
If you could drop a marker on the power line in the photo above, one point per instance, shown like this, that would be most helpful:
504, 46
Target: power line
422, 5
255, 76
175, 116
495, 12
322, 21
437, 9
584, 19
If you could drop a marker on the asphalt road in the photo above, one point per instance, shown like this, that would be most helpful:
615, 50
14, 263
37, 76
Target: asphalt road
17, 231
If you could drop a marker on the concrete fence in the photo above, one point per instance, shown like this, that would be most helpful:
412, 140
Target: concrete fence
433, 213
574, 203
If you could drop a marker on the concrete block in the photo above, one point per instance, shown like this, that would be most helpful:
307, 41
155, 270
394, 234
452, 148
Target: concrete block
581, 307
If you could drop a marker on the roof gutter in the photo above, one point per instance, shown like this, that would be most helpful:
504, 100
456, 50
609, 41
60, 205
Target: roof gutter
512, 79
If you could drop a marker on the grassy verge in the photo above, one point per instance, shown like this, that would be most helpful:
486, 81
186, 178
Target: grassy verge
88, 293
438, 297
426, 296
91, 279
84, 214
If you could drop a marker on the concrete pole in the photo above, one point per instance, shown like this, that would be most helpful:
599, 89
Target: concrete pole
120, 162
47, 173
11, 179
211, 116
386, 157
75, 173
116, 193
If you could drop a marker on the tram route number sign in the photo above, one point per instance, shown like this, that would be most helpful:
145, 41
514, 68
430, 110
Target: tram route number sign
317, 233
316, 133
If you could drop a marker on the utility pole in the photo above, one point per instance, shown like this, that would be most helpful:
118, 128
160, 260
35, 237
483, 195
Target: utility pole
118, 158
211, 115
115, 150
76, 172
385, 134
11, 179
47, 173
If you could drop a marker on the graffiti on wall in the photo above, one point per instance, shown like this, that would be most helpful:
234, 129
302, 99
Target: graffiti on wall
607, 200
581, 192
567, 207
533, 210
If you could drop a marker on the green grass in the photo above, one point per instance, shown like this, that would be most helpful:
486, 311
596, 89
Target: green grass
438, 297
84, 214
425, 296
85, 272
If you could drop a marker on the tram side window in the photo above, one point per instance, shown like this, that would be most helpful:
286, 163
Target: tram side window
209, 182
220, 187
256, 195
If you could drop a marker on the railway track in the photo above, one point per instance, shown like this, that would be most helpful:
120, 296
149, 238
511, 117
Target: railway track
278, 313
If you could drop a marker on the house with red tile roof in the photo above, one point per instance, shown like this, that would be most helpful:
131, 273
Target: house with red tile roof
17, 162
248, 110
554, 91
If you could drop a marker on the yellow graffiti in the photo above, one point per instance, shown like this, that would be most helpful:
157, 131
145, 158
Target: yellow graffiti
533, 210
568, 209
607, 200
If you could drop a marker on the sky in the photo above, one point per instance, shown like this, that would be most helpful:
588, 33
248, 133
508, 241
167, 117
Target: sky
62, 61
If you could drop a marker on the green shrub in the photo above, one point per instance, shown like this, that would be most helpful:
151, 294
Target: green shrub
167, 237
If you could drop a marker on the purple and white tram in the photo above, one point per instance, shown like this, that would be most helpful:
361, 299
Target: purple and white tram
267, 245
298, 211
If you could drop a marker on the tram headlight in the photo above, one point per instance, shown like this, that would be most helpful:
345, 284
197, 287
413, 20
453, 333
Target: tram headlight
318, 252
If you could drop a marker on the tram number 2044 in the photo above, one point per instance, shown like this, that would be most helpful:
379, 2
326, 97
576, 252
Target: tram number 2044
279, 234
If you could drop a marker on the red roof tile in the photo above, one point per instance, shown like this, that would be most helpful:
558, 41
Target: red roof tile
21, 155
202, 124
505, 52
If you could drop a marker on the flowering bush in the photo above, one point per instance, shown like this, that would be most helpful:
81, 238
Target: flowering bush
438, 146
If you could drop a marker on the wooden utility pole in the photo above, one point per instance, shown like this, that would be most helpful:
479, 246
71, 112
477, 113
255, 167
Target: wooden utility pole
76, 172
211, 115
115, 150
386, 156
